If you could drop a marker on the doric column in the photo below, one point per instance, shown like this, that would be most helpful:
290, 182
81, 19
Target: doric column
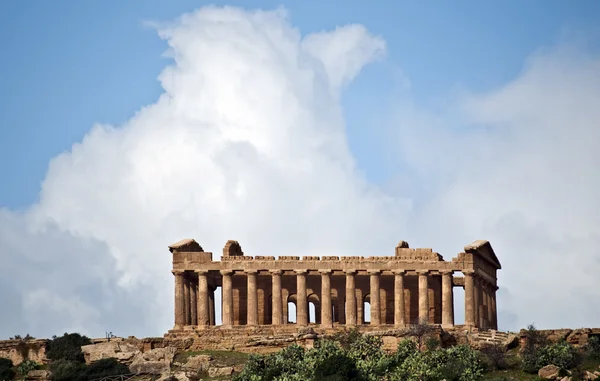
494, 311
252, 299
447, 299
423, 297
203, 311
399, 298
469, 298
301, 298
326, 318
490, 311
211, 306
193, 302
227, 298
186, 299
276, 300
179, 300
480, 306
350, 297
374, 292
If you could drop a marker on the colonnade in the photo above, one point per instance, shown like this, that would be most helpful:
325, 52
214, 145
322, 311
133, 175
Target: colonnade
194, 298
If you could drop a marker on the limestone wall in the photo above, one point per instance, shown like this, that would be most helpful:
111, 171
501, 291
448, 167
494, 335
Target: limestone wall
19, 350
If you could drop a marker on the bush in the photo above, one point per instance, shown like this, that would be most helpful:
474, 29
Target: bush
592, 348
65, 370
495, 356
104, 368
6, 370
26, 367
67, 347
561, 354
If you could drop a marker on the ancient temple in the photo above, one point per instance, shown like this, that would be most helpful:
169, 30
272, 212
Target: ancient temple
414, 285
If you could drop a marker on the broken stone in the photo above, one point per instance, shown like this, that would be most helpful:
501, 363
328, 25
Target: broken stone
549, 372
220, 372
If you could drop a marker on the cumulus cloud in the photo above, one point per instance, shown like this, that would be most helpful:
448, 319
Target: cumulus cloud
522, 172
248, 142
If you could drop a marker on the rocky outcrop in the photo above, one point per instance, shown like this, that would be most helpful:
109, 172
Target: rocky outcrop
155, 361
121, 350
549, 372
38, 375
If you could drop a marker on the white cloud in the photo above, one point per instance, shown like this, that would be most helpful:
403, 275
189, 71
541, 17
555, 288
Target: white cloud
522, 172
248, 142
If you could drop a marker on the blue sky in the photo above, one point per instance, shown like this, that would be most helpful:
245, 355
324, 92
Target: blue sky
339, 128
69, 64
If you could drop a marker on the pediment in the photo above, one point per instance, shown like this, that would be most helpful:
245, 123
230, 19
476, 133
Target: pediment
483, 249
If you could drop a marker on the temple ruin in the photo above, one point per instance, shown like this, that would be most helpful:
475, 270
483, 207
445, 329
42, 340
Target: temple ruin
413, 286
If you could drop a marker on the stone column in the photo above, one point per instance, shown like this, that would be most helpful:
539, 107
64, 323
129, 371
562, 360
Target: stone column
476, 300
489, 312
179, 300
211, 306
480, 306
360, 313
186, 299
494, 311
423, 297
326, 318
447, 300
350, 297
227, 298
301, 298
374, 292
252, 299
469, 298
399, 298
276, 300
203, 311
193, 302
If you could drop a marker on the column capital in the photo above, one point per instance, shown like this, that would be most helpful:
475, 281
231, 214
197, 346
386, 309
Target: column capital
350, 272
422, 272
201, 272
301, 272
374, 272
226, 272
446, 272
399, 272
251, 272
177, 272
325, 272
469, 272
276, 272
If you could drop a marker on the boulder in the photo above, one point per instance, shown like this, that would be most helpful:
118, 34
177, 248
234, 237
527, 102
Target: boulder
178, 376
155, 361
220, 372
198, 362
38, 375
549, 372
591, 375
122, 351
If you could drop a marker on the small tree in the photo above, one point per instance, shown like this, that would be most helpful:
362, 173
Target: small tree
67, 347
420, 330
6, 369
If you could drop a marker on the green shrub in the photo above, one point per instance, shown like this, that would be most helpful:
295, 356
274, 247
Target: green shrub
494, 357
67, 347
65, 370
561, 354
103, 368
6, 370
592, 347
463, 363
432, 343
26, 367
